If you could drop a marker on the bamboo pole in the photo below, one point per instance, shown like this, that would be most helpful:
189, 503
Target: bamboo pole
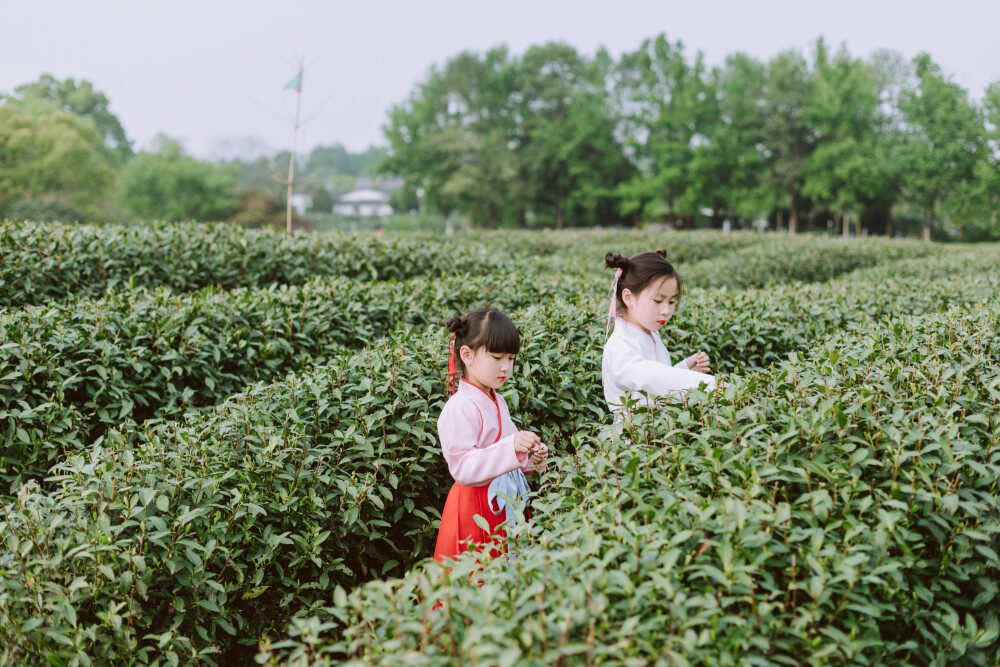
291, 160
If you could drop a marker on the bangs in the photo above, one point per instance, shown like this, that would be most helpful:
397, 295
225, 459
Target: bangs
501, 336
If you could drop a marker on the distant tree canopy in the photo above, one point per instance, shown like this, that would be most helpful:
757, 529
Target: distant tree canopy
327, 162
564, 139
53, 156
556, 138
167, 184
49, 95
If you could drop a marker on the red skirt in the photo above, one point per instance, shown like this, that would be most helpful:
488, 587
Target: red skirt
459, 532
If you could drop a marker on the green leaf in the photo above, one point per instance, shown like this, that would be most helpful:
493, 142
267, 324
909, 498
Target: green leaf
481, 522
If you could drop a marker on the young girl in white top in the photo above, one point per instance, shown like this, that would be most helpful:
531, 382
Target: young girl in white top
486, 454
643, 298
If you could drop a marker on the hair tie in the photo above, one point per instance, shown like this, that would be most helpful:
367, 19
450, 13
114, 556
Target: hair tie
613, 306
452, 368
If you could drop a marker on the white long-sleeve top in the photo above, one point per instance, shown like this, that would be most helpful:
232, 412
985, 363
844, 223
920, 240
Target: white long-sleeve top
477, 436
636, 360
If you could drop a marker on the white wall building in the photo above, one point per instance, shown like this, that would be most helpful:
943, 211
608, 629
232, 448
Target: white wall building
364, 203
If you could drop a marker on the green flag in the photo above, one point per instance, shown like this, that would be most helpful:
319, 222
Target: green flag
295, 84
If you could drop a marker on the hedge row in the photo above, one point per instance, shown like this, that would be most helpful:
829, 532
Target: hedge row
801, 259
282, 448
45, 262
40, 263
841, 508
69, 371
188, 541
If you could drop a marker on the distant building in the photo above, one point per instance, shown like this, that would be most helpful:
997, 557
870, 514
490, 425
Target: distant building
363, 203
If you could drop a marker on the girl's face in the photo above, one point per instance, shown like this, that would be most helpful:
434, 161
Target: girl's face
653, 306
486, 370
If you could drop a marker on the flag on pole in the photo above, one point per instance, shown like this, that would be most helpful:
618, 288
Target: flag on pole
295, 83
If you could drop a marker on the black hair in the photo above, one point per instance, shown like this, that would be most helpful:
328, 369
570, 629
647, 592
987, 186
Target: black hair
638, 271
484, 327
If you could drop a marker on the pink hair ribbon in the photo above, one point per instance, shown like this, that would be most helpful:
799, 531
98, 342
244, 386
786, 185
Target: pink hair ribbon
613, 305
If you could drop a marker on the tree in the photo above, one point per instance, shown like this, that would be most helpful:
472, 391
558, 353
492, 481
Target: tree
254, 209
322, 201
728, 159
848, 165
989, 166
168, 184
569, 152
663, 100
976, 202
453, 139
942, 142
49, 95
500, 138
50, 155
325, 163
893, 74
481, 183
788, 139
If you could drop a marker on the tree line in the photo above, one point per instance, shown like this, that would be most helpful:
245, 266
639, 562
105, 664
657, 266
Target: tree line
556, 137
553, 137
65, 156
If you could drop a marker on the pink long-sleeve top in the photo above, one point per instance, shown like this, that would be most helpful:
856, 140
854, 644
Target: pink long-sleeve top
477, 436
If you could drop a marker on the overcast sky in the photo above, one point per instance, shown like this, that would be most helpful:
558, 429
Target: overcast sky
210, 72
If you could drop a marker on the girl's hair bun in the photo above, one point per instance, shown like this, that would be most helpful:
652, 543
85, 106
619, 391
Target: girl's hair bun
457, 325
662, 253
613, 261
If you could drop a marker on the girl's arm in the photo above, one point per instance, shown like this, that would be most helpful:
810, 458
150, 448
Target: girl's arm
459, 428
524, 438
631, 371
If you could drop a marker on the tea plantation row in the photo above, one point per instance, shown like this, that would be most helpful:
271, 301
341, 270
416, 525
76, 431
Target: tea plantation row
182, 539
186, 541
841, 508
71, 370
40, 263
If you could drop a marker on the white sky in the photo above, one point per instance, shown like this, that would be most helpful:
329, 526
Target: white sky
211, 71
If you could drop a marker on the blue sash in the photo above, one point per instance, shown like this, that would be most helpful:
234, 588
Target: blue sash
510, 485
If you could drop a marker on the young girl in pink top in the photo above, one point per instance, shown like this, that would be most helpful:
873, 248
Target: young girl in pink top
486, 454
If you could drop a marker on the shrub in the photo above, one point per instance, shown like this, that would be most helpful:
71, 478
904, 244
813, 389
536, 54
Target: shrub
839, 508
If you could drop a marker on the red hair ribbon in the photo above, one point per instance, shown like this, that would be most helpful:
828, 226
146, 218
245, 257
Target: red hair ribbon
452, 369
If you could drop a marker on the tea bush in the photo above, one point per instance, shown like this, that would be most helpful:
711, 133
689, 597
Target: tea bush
45, 262
267, 464
266, 502
840, 508
172, 541
40, 263
187, 541
71, 370
807, 260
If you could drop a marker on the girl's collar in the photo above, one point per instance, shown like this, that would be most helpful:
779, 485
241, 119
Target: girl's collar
472, 387
634, 326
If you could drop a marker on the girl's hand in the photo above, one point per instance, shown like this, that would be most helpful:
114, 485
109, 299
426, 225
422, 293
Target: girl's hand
698, 362
539, 454
525, 442
719, 387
